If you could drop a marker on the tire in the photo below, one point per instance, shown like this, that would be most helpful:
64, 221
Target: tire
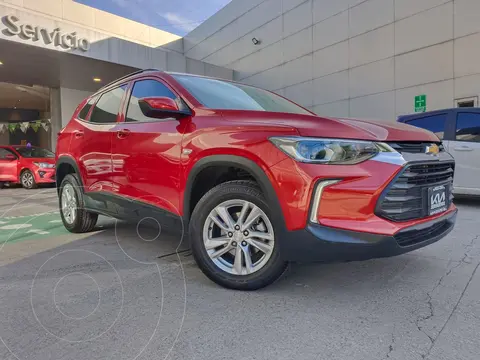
82, 221
2, 185
28, 180
265, 266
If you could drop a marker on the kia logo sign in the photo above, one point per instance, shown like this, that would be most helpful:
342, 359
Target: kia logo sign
438, 200
68, 41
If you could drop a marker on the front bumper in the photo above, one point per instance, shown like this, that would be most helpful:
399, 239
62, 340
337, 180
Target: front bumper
44, 176
327, 244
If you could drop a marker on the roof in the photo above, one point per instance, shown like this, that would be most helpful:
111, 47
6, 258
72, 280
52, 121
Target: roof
404, 118
126, 77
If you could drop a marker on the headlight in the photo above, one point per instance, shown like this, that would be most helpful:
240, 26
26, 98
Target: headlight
329, 151
43, 165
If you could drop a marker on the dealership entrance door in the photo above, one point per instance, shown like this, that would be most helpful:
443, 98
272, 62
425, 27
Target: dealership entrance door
25, 115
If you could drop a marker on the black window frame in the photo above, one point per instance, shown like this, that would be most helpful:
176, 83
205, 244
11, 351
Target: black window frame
455, 120
128, 96
99, 96
93, 101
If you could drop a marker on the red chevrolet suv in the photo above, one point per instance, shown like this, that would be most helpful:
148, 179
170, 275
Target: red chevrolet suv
256, 180
27, 165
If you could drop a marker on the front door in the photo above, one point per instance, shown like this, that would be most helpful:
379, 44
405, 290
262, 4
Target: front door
146, 152
465, 148
8, 166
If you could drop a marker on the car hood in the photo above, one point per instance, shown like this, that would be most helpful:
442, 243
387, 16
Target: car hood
390, 131
316, 126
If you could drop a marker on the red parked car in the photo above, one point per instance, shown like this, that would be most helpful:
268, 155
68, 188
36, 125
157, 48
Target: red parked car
27, 165
257, 180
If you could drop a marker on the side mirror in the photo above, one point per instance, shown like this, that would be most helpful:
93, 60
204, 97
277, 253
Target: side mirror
161, 107
10, 157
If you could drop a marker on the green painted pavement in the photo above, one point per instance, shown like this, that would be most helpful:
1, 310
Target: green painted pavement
30, 228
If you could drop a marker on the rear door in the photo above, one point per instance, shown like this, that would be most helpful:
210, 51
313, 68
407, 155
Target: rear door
465, 148
8, 167
92, 140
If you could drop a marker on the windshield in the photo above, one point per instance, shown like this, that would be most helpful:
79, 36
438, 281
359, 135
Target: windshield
218, 94
33, 152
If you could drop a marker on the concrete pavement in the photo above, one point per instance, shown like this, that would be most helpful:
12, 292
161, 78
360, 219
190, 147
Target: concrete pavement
113, 294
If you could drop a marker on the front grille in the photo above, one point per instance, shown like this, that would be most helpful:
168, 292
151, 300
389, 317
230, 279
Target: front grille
413, 237
406, 198
414, 147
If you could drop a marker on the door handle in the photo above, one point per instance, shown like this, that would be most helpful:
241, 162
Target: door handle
78, 133
121, 134
463, 148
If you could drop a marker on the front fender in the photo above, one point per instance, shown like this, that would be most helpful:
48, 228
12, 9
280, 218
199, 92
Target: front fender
261, 175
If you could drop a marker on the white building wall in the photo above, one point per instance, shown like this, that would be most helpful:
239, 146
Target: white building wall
55, 115
69, 99
358, 58
112, 38
77, 14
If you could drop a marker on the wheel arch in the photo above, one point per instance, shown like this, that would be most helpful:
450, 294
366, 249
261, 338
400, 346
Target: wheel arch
66, 165
21, 170
237, 162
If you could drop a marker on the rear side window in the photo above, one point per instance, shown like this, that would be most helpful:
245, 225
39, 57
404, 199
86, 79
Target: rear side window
107, 107
434, 123
143, 89
468, 127
84, 112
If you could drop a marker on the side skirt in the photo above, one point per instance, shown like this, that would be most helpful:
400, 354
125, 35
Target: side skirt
131, 211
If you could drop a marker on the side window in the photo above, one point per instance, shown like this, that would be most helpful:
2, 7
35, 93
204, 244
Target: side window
468, 127
84, 112
107, 107
142, 89
435, 124
5, 152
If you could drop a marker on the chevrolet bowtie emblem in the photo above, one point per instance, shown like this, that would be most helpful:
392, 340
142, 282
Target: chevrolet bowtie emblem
432, 149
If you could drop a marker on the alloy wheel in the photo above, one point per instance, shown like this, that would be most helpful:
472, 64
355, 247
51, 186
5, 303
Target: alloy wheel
27, 179
69, 204
238, 237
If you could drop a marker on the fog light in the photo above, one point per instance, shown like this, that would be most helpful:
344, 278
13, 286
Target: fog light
317, 195
41, 173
